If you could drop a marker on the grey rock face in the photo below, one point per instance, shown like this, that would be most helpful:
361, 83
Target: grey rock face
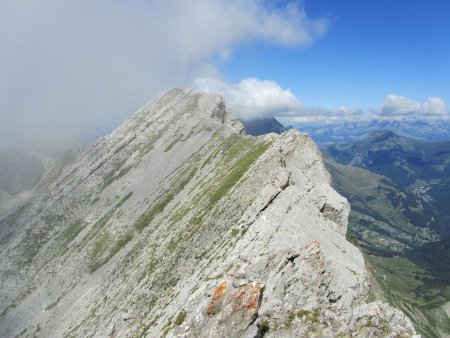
179, 225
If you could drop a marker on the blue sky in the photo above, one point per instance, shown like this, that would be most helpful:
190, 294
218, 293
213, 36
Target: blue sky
370, 50
68, 67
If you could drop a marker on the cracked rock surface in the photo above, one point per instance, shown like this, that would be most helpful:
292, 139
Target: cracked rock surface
179, 225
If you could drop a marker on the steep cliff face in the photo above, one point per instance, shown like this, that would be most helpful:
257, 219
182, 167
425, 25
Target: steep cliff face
177, 224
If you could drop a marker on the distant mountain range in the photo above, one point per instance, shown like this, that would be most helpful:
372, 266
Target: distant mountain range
399, 190
256, 127
351, 131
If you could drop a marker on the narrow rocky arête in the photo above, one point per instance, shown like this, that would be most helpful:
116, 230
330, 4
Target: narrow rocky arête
179, 225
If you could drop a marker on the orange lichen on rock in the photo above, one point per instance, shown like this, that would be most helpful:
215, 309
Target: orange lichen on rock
247, 296
216, 299
232, 308
244, 299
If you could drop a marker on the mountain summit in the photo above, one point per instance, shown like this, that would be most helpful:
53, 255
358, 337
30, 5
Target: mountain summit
179, 225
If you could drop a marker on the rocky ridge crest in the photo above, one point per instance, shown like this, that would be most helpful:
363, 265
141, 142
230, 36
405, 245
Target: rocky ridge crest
179, 225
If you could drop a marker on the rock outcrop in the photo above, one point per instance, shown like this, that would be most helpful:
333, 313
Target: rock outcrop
179, 225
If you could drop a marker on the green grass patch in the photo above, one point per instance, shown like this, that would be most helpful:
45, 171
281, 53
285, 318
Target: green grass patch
115, 173
180, 318
121, 242
53, 304
101, 247
235, 146
146, 147
102, 250
143, 148
235, 232
147, 217
239, 169
72, 231
97, 256
291, 316
312, 316
161, 202
104, 220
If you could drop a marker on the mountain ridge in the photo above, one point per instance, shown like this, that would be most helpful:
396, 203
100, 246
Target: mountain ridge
344, 132
179, 224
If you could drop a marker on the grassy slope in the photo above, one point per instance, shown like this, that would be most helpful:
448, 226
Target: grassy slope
205, 179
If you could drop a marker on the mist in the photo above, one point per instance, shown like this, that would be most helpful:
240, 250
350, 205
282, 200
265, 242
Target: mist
68, 67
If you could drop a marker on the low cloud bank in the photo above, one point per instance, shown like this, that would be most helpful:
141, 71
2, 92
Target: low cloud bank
400, 107
254, 98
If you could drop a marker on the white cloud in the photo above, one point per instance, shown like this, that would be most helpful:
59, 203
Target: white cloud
252, 98
435, 106
394, 107
65, 65
400, 107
